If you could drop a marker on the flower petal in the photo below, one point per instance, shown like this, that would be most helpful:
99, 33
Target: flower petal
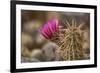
49, 29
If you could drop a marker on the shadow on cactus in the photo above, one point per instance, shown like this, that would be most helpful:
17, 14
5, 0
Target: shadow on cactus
70, 40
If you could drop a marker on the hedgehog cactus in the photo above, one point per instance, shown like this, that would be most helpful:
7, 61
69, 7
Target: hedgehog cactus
71, 45
69, 40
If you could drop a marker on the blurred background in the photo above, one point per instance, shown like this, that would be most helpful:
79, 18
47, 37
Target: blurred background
34, 47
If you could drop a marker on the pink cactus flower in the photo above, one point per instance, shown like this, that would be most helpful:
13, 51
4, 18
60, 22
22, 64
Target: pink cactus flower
49, 29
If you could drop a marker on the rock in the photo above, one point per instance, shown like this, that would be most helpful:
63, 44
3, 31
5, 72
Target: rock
40, 40
25, 59
86, 35
86, 56
27, 40
32, 27
25, 52
49, 50
38, 54
34, 60
86, 45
